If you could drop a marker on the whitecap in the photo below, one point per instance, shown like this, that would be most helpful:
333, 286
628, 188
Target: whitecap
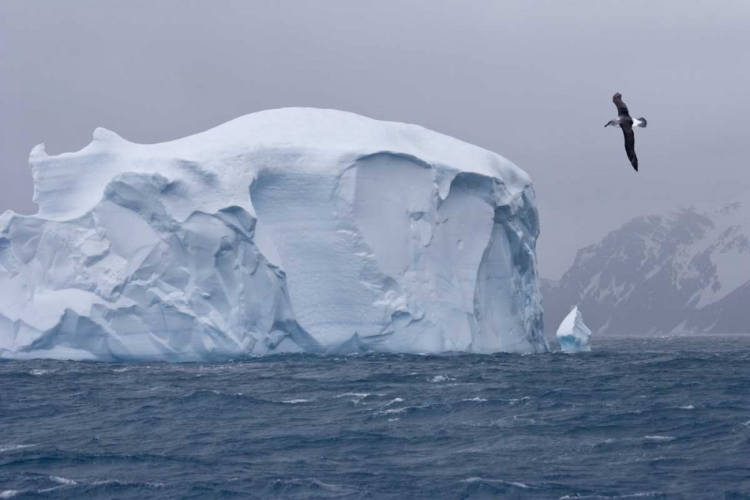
296, 401
441, 378
117, 482
13, 447
108, 482
47, 490
475, 400
660, 438
517, 484
62, 480
514, 401
8, 493
192, 393
393, 411
359, 395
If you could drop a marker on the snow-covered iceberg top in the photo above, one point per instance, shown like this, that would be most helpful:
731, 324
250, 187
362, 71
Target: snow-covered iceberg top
282, 231
573, 334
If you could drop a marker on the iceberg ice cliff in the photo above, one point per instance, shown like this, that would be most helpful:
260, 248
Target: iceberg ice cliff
291, 230
573, 334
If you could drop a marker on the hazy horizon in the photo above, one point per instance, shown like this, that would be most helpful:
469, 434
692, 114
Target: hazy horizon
530, 80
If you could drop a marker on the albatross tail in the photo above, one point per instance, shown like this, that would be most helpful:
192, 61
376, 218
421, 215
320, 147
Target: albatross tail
640, 122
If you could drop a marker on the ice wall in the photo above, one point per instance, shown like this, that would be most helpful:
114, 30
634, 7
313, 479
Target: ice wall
282, 231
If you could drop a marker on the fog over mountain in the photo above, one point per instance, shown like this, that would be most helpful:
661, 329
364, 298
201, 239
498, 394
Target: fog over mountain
680, 272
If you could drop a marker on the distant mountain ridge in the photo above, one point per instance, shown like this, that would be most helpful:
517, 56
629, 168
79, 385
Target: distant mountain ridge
687, 271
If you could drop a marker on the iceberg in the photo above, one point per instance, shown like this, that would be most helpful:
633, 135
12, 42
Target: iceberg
289, 230
573, 334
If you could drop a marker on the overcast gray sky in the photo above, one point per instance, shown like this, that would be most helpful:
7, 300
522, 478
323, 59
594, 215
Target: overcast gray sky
531, 80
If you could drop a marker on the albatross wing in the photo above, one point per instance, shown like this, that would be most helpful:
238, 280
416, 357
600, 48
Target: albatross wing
630, 145
622, 110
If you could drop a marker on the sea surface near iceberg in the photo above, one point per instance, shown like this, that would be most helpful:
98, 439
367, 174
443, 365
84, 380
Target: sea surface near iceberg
637, 417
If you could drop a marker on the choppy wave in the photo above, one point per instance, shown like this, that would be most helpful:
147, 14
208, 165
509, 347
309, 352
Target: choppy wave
639, 418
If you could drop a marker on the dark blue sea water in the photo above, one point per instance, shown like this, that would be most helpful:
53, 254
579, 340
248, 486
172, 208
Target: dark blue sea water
655, 418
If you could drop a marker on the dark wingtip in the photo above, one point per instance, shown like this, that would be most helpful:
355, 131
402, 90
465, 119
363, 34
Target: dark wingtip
635, 166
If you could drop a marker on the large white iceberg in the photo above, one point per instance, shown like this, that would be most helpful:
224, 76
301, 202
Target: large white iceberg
292, 230
573, 334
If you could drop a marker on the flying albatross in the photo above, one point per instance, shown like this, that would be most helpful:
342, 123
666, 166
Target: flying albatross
626, 123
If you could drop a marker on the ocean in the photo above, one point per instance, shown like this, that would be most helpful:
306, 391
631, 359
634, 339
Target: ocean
636, 418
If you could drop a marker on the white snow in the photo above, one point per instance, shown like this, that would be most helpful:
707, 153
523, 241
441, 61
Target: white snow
281, 231
726, 243
728, 247
573, 334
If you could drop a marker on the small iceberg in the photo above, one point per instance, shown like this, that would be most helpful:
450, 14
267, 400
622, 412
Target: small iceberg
573, 334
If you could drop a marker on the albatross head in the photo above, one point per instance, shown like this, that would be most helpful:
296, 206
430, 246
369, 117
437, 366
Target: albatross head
617, 96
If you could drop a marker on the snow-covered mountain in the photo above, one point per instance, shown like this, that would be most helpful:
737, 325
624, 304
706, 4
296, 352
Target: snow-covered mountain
686, 271
286, 230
